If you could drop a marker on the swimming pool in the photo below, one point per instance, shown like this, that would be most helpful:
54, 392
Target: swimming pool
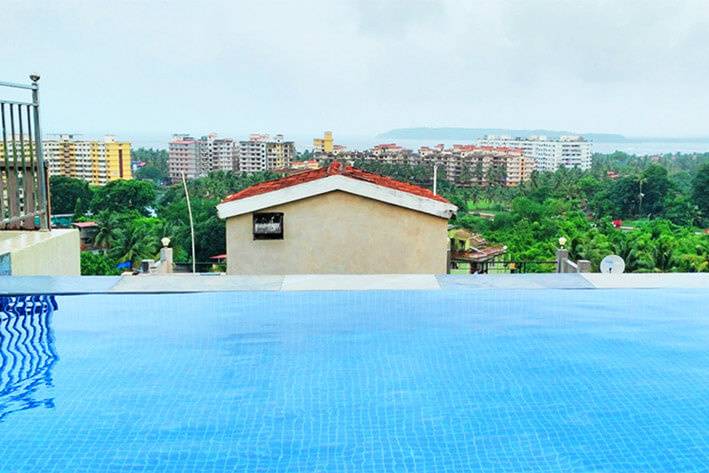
385, 381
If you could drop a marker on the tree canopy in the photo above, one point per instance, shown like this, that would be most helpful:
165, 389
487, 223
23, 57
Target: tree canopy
665, 200
151, 164
124, 196
65, 192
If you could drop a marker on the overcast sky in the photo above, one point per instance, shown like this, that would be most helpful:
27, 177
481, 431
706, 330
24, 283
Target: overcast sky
362, 67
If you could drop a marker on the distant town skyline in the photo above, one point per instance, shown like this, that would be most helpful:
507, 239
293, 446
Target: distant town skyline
361, 67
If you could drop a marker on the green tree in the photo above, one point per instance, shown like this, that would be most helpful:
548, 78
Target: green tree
656, 185
65, 191
79, 209
680, 210
93, 264
152, 164
124, 195
624, 196
210, 230
135, 241
700, 190
108, 224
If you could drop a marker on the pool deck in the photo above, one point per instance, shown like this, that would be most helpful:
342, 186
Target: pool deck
181, 283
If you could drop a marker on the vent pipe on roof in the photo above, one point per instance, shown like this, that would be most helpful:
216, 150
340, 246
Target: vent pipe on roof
435, 178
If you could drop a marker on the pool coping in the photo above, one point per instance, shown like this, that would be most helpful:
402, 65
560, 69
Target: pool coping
188, 283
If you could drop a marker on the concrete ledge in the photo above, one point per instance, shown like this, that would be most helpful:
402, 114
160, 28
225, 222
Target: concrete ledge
360, 282
176, 283
10, 285
54, 253
196, 283
648, 280
514, 281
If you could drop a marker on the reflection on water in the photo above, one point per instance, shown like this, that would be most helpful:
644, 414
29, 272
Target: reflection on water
27, 353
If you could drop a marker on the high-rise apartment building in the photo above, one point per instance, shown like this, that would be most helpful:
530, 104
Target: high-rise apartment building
469, 165
464, 165
548, 154
263, 152
183, 157
324, 145
92, 160
197, 158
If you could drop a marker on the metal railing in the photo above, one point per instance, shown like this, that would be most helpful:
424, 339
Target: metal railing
515, 267
504, 267
200, 267
24, 189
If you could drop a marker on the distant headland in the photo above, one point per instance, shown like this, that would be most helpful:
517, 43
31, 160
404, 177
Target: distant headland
459, 133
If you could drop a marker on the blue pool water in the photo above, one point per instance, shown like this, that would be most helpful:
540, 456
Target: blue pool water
444, 381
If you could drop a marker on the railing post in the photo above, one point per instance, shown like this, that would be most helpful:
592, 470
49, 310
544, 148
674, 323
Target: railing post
41, 171
584, 266
166, 260
562, 256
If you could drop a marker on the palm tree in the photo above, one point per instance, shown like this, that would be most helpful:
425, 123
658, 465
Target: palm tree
133, 244
108, 227
663, 255
626, 250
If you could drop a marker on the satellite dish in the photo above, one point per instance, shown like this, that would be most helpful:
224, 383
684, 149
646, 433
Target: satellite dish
612, 264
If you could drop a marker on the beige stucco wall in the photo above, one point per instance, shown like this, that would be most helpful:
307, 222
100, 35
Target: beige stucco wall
53, 253
340, 233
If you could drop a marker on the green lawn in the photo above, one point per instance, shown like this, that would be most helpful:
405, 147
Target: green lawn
635, 222
485, 205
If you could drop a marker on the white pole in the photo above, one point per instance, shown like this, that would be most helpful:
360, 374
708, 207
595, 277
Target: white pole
189, 211
435, 178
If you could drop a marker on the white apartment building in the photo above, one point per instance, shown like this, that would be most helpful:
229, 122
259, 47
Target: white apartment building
548, 154
217, 154
263, 152
197, 158
182, 157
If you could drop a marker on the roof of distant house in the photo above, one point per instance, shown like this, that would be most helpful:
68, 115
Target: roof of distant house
479, 250
85, 224
499, 149
335, 177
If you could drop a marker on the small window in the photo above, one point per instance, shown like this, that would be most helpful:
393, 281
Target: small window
268, 226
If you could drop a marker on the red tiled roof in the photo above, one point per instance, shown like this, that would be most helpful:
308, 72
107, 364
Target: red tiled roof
486, 148
478, 254
85, 224
336, 168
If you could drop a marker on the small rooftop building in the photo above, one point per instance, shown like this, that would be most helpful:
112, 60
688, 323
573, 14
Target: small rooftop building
336, 220
87, 234
473, 249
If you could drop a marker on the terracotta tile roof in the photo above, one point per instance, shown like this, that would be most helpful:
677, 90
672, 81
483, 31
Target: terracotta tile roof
336, 168
501, 149
478, 254
85, 224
